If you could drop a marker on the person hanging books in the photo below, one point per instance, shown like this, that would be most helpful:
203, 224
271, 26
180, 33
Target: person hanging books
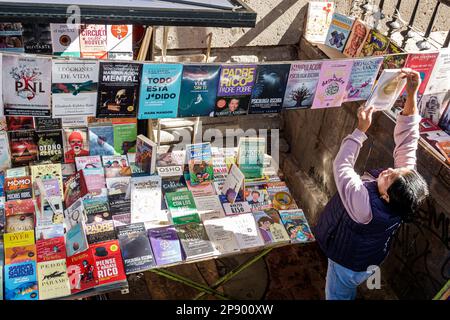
356, 227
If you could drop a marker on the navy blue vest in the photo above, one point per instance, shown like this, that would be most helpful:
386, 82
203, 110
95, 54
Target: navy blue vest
354, 245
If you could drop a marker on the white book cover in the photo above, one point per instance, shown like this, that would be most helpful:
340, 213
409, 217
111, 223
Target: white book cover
118, 183
5, 155
387, 90
238, 207
26, 85
93, 41
233, 183
1, 89
221, 235
318, 20
65, 39
74, 214
246, 231
440, 77
74, 87
74, 122
119, 41
209, 207
146, 199
88, 162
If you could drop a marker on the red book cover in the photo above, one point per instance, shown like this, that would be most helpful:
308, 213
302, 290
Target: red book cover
74, 188
422, 63
108, 262
50, 249
81, 271
15, 207
17, 188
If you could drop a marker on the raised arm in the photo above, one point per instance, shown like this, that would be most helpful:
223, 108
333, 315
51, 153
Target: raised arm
406, 132
352, 191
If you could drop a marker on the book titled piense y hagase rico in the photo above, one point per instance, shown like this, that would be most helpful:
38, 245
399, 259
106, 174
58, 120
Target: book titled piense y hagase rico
199, 160
136, 249
118, 91
52, 279
108, 262
269, 88
194, 240
198, 90
50, 145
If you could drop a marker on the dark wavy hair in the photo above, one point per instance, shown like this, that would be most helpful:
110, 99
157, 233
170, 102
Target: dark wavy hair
407, 193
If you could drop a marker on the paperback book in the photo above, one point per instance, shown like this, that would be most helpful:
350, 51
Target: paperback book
65, 39
174, 184
46, 172
376, 44
180, 203
234, 184
74, 188
50, 145
387, 89
166, 245
52, 279
93, 41
363, 75
238, 207
21, 281
199, 160
96, 208
201, 190
422, 63
18, 188
20, 254
23, 147
36, 38
221, 235
76, 240
88, 162
18, 239
270, 226
81, 272
74, 214
257, 198
194, 240
5, 154
209, 207
439, 80
358, 35
146, 199
145, 154
51, 249
76, 144
160, 91
246, 231
118, 184
100, 231
125, 134
108, 262
318, 20
296, 226
119, 41
250, 158
339, 31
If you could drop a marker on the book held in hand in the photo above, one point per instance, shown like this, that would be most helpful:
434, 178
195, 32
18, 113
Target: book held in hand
388, 88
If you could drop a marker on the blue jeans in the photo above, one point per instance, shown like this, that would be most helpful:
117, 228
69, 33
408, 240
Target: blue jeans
342, 282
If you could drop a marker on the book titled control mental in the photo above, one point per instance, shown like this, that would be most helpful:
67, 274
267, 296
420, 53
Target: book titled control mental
118, 91
136, 250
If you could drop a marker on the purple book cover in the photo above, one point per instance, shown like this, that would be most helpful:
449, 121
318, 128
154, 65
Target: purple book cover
166, 245
333, 79
363, 75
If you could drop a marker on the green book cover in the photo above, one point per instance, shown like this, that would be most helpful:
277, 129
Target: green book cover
194, 217
125, 137
251, 156
180, 203
199, 160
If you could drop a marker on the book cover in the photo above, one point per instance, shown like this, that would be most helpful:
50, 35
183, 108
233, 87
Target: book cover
18, 239
81, 271
160, 91
21, 281
333, 79
393, 61
194, 240
257, 198
198, 90
101, 140
444, 122
166, 245
100, 231
238, 207
118, 183
88, 162
221, 235
65, 39
47, 124
50, 145
118, 203
170, 162
74, 188
363, 75
270, 226
37, 38
53, 280
234, 183
118, 90
199, 160
11, 37
119, 41
339, 31
20, 254
18, 188
76, 240
125, 137
393, 48
358, 35
250, 157
74, 88
5, 154
376, 44
296, 226
146, 199
26, 85
117, 161
318, 20
136, 249
23, 147
201, 190
386, 90
180, 203
46, 172
422, 63
108, 262
19, 222
246, 231
93, 41
209, 207
439, 80
302, 84
433, 105
145, 154
121, 219
51, 249
235, 88
49, 231
16, 123
96, 208
444, 148
17, 172
174, 184
76, 144
269, 88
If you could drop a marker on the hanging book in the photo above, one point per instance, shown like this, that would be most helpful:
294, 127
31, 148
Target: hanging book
269, 88
11, 37
235, 88
339, 31
333, 80
23, 147
37, 38
357, 38
422, 63
301, 85
26, 85
101, 140
74, 88
160, 91
118, 90
119, 41
65, 39
363, 75
93, 41
439, 80
198, 90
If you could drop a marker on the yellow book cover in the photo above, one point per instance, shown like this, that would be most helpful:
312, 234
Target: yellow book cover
48, 171
53, 280
18, 239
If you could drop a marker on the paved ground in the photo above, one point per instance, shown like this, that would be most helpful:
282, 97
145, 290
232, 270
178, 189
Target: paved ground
291, 272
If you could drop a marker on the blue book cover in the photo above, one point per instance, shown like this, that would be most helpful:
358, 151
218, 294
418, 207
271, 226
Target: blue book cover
76, 240
2, 183
21, 281
101, 141
160, 91
363, 75
198, 90
269, 88
339, 31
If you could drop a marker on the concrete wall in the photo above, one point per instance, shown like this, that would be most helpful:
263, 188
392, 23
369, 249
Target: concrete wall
419, 262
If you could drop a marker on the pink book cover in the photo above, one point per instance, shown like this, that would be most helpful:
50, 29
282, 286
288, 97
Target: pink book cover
333, 79
201, 190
